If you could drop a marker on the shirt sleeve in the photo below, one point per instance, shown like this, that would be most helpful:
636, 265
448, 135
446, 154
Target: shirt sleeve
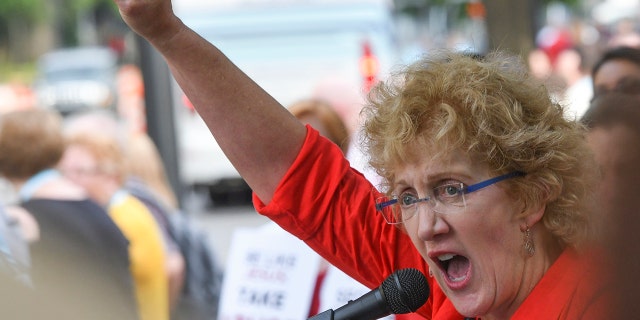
330, 206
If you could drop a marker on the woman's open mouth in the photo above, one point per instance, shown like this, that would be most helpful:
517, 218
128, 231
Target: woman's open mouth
455, 268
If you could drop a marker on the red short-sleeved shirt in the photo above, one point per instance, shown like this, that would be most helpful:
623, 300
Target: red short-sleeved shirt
330, 206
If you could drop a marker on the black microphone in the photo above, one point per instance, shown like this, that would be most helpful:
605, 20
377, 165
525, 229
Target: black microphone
404, 291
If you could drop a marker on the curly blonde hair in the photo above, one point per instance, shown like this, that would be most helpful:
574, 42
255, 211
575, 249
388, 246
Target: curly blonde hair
491, 108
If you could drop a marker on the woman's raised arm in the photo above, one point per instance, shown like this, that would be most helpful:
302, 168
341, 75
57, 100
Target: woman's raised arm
259, 136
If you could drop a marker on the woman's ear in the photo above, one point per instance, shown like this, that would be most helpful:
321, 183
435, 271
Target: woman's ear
532, 214
532, 208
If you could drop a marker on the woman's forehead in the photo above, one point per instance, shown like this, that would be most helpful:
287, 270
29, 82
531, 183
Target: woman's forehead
431, 163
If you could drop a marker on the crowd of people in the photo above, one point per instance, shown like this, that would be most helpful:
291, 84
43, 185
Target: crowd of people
95, 231
507, 194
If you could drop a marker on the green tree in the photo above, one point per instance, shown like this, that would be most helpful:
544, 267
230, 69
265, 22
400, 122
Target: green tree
64, 15
17, 20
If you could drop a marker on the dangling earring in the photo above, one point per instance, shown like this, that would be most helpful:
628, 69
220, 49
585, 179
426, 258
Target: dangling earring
529, 247
430, 273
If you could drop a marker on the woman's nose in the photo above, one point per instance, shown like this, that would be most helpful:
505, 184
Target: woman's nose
430, 222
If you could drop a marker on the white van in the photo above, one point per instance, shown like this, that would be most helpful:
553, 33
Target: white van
77, 79
288, 48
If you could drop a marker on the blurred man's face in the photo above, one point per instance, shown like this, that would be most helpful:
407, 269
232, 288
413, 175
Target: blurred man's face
619, 76
614, 151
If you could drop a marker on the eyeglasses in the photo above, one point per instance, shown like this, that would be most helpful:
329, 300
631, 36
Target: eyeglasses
447, 198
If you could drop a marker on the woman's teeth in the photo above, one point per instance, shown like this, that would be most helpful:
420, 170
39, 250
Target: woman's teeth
446, 257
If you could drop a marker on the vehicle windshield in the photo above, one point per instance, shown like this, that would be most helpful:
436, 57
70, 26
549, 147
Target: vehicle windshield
76, 73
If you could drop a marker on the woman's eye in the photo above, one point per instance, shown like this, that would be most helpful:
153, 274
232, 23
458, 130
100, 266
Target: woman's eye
450, 190
407, 199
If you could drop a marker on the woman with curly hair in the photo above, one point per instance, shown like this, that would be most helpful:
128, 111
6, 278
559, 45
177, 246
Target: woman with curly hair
488, 188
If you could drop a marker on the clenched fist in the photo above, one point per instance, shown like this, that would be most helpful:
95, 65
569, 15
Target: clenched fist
152, 19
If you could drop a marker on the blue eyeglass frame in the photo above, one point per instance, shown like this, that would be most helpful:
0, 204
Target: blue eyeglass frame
468, 189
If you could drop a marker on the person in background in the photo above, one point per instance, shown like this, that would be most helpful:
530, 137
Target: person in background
321, 116
614, 135
14, 246
539, 64
145, 164
145, 179
618, 69
540, 67
95, 161
18, 295
78, 257
146, 170
488, 187
193, 271
572, 67
614, 125
625, 33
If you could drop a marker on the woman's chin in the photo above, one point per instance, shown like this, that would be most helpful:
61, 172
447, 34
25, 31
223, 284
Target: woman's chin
469, 305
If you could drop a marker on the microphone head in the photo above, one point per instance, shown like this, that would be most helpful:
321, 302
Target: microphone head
405, 290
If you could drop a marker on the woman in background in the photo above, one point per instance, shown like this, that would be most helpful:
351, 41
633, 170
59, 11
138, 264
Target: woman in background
79, 257
95, 161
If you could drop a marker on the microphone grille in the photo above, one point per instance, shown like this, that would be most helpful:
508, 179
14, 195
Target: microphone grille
405, 290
